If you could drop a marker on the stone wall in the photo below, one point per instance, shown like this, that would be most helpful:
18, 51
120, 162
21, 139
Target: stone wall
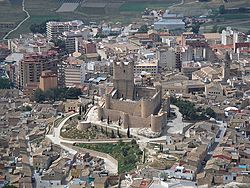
151, 106
83, 125
145, 92
138, 122
126, 106
114, 115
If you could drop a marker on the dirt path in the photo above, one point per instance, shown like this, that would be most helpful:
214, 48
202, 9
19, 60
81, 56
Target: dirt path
24, 20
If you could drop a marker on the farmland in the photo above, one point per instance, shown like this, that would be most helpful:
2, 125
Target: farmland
113, 11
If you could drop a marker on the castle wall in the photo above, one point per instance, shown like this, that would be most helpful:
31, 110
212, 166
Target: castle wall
126, 106
144, 92
138, 122
113, 115
155, 122
151, 106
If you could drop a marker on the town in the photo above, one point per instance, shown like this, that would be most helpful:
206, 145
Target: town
153, 104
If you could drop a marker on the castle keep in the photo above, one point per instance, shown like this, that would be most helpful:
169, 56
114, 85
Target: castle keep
135, 106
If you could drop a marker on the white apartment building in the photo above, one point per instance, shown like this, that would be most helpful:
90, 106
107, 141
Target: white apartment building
55, 29
74, 74
229, 36
146, 66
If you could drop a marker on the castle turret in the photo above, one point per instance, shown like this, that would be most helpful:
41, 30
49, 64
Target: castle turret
145, 108
107, 101
157, 122
100, 113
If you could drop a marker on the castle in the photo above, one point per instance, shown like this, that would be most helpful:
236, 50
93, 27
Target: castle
134, 106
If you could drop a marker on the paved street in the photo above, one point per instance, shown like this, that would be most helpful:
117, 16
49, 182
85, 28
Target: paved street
176, 125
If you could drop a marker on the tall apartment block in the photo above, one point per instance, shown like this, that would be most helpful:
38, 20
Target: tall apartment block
32, 65
55, 29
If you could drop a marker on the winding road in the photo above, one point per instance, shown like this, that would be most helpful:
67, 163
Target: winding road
56, 139
24, 20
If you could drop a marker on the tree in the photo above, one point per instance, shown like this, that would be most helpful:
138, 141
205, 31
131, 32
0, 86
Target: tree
10, 186
4, 83
214, 29
210, 112
119, 121
60, 44
112, 134
128, 132
243, 9
79, 117
106, 130
118, 133
93, 100
143, 29
28, 108
222, 9
38, 28
196, 28
39, 95
133, 142
221, 28
108, 120
50, 95
80, 110
73, 93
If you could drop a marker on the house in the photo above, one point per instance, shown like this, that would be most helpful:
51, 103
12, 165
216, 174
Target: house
175, 138
222, 154
204, 179
80, 171
141, 183
71, 106
213, 89
196, 156
101, 182
52, 178
41, 161
180, 172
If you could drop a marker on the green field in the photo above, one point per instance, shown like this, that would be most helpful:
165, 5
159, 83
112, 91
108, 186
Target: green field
139, 6
127, 154
43, 10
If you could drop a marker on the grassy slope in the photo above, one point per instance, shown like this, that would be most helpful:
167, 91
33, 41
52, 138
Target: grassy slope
127, 162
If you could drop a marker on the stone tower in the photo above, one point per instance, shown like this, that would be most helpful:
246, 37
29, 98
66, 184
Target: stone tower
123, 79
226, 67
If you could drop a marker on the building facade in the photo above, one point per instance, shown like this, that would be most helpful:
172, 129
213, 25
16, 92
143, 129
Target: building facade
55, 29
32, 65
